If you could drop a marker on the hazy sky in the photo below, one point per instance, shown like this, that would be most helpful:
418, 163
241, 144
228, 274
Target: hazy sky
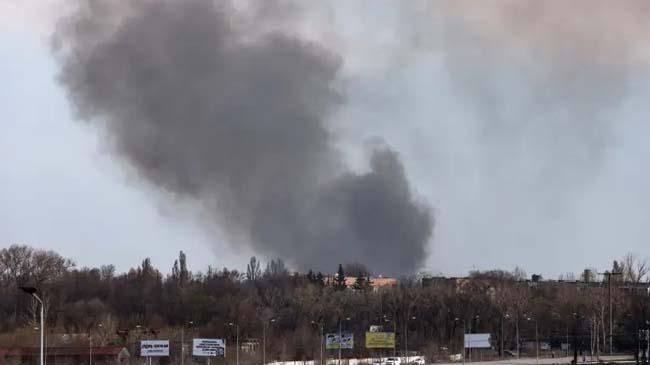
526, 134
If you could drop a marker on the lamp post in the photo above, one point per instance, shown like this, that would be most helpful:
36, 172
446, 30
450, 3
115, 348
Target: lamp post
406, 338
566, 329
505, 316
387, 320
517, 332
321, 339
609, 296
272, 320
190, 323
341, 337
463, 337
32, 291
236, 325
470, 336
536, 339
90, 344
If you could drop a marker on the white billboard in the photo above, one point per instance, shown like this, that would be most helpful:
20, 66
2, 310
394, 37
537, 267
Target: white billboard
477, 341
154, 348
209, 347
333, 342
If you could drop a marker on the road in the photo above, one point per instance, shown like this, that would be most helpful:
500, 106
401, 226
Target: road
543, 361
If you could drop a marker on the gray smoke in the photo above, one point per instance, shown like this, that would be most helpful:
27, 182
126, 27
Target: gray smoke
238, 121
530, 115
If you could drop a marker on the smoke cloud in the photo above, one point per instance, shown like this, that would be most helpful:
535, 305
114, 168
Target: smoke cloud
214, 111
529, 115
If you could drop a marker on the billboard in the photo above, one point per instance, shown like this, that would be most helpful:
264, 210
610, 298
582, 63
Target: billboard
380, 340
154, 348
209, 347
477, 341
332, 341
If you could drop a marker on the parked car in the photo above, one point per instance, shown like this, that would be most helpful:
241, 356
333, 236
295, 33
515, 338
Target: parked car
417, 360
392, 361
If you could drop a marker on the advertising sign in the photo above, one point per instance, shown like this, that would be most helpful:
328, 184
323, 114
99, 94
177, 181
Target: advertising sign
332, 341
380, 340
209, 347
477, 341
154, 348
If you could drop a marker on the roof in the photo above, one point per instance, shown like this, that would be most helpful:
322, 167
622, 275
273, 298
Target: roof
65, 351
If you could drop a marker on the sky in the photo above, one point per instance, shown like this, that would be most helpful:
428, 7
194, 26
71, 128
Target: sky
526, 138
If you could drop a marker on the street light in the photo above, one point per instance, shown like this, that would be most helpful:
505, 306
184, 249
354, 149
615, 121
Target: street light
236, 325
566, 323
90, 344
477, 317
609, 295
517, 333
387, 320
406, 338
463, 338
340, 337
536, 339
190, 323
32, 291
505, 316
321, 340
264, 324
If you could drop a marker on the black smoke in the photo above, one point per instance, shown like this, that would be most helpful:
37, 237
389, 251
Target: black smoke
238, 121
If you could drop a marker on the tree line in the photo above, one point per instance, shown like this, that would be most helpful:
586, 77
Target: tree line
291, 308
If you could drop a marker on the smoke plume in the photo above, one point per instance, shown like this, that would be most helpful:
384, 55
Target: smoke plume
529, 114
236, 119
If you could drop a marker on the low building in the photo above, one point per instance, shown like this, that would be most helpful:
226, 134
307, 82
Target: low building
101, 355
376, 283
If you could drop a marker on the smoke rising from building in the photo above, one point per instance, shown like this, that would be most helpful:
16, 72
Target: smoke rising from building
238, 121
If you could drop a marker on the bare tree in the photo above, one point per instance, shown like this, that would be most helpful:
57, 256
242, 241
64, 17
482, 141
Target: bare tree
634, 269
253, 271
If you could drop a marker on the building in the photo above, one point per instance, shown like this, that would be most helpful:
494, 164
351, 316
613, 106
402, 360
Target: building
376, 283
101, 355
